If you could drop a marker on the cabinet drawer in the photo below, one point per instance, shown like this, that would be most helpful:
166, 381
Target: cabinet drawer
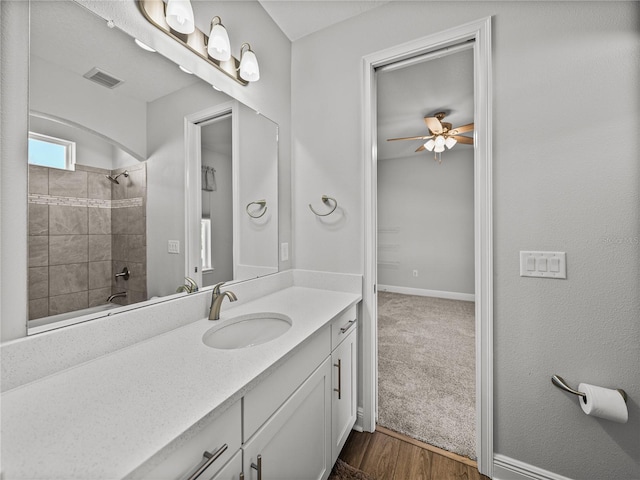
224, 430
342, 325
266, 398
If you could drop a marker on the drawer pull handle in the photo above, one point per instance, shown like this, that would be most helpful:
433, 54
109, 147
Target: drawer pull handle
339, 389
210, 457
258, 467
348, 325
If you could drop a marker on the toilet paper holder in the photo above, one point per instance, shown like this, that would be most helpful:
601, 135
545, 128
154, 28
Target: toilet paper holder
559, 382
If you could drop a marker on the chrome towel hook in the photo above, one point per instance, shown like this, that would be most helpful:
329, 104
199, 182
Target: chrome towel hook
326, 200
262, 206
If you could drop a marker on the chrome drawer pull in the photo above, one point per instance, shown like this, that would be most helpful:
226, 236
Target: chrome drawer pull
211, 457
258, 467
348, 325
339, 389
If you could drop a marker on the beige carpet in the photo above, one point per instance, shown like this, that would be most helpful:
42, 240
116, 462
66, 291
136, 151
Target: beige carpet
426, 370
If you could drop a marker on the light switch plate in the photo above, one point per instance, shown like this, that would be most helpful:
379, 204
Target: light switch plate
173, 246
546, 264
284, 251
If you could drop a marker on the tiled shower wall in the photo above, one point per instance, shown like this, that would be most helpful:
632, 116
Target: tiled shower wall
83, 229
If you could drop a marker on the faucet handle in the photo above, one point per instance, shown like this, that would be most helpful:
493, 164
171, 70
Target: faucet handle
216, 288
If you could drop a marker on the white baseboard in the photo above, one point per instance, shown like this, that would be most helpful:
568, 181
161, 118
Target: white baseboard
506, 468
467, 297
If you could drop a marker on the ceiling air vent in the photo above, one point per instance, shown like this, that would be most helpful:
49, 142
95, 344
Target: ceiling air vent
102, 78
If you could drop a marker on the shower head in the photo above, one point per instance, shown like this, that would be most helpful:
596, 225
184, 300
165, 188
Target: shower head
115, 179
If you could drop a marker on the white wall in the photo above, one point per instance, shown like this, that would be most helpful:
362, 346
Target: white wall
166, 182
61, 93
258, 180
218, 206
14, 124
566, 79
425, 221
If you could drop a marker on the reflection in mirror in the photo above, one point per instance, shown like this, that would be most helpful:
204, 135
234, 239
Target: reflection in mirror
106, 226
238, 205
217, 201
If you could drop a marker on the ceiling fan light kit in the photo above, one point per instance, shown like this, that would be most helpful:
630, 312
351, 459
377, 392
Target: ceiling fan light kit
442, 134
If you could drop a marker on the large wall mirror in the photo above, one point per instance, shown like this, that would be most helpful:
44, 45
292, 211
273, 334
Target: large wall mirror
110, 224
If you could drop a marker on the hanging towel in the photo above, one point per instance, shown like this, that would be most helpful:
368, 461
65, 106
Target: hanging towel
211, 179
208, 179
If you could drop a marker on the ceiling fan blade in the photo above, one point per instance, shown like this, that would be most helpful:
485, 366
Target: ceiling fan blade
409, 138
434, 124
420, 148
463, 139
462, 129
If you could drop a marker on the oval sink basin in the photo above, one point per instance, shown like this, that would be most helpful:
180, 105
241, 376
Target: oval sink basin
247, 330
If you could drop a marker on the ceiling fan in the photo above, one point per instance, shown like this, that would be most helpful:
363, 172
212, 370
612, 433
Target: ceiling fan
441, 134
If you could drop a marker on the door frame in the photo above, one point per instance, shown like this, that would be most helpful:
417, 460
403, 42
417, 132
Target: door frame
193, 180
480, 32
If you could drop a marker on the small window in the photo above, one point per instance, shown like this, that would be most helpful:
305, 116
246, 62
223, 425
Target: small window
205, 243
51, 152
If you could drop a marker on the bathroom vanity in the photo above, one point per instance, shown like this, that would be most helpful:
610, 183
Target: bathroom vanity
282, 408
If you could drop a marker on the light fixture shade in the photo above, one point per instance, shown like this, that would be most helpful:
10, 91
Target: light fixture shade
439, 148
219, 46
430, 145
179, 16
439, 141
450, 142
249, 69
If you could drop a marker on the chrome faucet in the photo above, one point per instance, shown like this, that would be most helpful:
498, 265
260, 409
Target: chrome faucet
116, 295
216, 301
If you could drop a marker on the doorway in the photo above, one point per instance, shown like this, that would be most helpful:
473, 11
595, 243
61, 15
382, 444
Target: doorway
425, 257
480, 32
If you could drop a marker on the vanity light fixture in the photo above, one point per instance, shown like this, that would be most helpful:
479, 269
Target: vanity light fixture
218, 46
249, 69
179, 16
143, 45
185, 70
173, 19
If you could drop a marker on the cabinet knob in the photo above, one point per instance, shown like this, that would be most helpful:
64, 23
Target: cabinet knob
258, 467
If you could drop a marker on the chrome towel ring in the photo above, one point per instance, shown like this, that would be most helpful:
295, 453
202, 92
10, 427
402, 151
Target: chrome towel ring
262, 206
326, 200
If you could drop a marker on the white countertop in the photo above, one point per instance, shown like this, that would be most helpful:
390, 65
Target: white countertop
119, 415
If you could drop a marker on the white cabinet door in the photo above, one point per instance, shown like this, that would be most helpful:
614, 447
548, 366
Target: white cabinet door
343, 393
295, 443
232, 470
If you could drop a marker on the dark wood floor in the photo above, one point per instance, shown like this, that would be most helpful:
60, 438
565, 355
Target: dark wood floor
387, 455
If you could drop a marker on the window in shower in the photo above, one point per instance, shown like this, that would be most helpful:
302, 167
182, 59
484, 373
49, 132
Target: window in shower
51, 152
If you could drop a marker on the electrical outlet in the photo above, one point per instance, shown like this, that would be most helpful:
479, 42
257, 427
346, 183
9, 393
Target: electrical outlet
415, 273
284, 252
173, 246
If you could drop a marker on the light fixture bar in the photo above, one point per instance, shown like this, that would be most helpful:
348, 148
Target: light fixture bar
154, 12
